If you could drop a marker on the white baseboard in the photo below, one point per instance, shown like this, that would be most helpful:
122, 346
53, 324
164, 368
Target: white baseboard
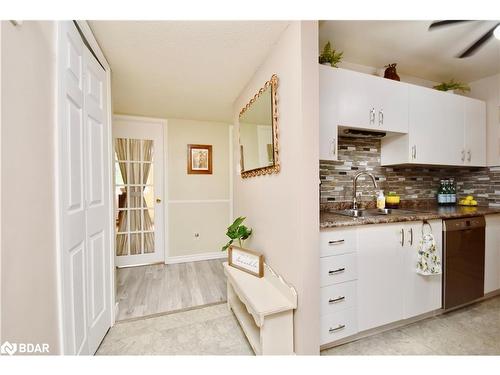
196, 257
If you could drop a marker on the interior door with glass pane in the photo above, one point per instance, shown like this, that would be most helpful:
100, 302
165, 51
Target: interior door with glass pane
138, 191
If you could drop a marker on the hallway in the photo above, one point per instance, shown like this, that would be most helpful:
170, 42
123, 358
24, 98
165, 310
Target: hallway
161, 288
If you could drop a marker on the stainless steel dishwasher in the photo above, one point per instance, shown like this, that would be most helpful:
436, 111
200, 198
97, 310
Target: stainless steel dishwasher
463, 255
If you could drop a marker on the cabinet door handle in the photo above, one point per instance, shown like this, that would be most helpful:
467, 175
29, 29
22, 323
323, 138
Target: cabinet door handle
411, 237
338, 270
463, 155
372, 116
469, 155
402, 237
335, 242
334, 147
338, 328
415, 152
338, 299
380, 117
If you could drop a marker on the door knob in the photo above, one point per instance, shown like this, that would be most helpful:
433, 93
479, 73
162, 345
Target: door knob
158, 200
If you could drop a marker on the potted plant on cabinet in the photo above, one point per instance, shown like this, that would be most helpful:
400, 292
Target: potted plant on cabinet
330, 56
453, 87
237, 231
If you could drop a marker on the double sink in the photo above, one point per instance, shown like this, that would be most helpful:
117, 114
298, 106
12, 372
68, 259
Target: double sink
376, 212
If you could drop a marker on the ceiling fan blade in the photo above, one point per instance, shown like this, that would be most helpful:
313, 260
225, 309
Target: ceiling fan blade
437, 24
474, 47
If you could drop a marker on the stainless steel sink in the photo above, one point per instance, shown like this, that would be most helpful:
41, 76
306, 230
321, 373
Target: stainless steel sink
376, 212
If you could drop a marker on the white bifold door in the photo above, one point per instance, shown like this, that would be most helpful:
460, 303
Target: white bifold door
84, 195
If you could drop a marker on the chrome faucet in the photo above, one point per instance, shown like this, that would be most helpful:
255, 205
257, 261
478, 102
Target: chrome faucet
354, 190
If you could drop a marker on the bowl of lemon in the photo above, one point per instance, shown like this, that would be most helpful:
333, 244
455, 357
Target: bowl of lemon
468, 201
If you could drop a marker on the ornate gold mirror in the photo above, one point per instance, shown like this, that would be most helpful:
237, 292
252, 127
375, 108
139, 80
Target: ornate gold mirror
259, 132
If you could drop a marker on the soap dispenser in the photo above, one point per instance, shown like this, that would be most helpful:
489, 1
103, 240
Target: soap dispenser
380, 200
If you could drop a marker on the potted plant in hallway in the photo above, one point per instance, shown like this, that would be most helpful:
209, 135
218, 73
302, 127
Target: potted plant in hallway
237, 231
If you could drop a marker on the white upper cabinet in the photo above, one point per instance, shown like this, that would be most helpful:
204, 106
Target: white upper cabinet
436, 127
475, 133
356, 100
444, 129
390, 99
327, 123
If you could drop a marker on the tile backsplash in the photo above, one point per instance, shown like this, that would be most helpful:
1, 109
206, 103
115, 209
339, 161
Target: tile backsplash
410, 182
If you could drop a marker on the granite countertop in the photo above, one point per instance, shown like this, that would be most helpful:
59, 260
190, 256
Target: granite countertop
331, 219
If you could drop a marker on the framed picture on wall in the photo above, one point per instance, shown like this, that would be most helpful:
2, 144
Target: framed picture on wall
199, 159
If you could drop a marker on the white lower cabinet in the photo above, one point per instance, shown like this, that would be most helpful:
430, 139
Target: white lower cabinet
380, 275
421, 293
492, 254
383, 286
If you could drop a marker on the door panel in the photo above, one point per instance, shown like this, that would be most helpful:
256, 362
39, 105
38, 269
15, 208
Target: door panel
98, 205
436, 118
422, 293
380, 290
73, 223
475, 132
84, 190
391, 102
138, 191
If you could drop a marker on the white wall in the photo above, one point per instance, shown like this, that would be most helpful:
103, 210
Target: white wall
29, 286
488, 89
198, 203
380, 72
283, 209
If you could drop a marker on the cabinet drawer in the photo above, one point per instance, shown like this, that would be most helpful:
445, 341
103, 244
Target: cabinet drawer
338, 269
337, 297
338, 325
337, 241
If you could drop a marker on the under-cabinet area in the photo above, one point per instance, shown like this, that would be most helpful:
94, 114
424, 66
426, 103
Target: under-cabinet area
368, 274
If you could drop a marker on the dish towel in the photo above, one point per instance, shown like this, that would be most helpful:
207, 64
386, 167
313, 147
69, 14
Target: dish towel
428, 261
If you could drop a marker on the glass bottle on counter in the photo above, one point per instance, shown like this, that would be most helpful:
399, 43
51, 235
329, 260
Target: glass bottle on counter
441, 194
453, 192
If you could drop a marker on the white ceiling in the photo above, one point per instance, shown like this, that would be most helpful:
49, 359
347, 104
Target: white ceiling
417, 51
183, 69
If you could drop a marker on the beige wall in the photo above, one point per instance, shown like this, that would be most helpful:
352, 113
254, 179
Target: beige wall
488, 89
283, 209
197, 203
29, 287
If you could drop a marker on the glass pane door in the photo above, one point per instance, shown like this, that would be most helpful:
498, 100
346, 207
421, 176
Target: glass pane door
134, 196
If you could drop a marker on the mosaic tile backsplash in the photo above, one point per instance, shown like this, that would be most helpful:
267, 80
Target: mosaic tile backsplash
411, 183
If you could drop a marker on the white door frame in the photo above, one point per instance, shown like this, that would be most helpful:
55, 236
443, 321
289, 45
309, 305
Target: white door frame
164, 196
87, 33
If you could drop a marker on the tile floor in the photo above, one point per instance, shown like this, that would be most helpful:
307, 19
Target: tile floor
209, 330
474, 330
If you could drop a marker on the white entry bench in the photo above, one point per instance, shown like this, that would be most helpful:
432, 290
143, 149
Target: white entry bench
264, 308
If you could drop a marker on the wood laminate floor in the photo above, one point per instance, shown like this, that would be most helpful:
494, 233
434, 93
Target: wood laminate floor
161, 288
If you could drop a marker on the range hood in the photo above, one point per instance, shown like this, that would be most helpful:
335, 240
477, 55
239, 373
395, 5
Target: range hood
360, 133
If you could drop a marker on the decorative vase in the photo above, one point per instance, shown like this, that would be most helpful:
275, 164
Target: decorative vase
390, 72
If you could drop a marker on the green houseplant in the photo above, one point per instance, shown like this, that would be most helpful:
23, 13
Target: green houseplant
330, 56
237, 231
452, 86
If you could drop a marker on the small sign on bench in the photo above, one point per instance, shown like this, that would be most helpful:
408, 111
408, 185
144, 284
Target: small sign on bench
245, 260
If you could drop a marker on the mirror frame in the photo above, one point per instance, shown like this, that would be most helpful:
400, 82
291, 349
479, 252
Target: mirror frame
275, 168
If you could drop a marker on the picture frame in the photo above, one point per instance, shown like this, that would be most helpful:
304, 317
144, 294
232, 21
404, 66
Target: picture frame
245, 260
199, 159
